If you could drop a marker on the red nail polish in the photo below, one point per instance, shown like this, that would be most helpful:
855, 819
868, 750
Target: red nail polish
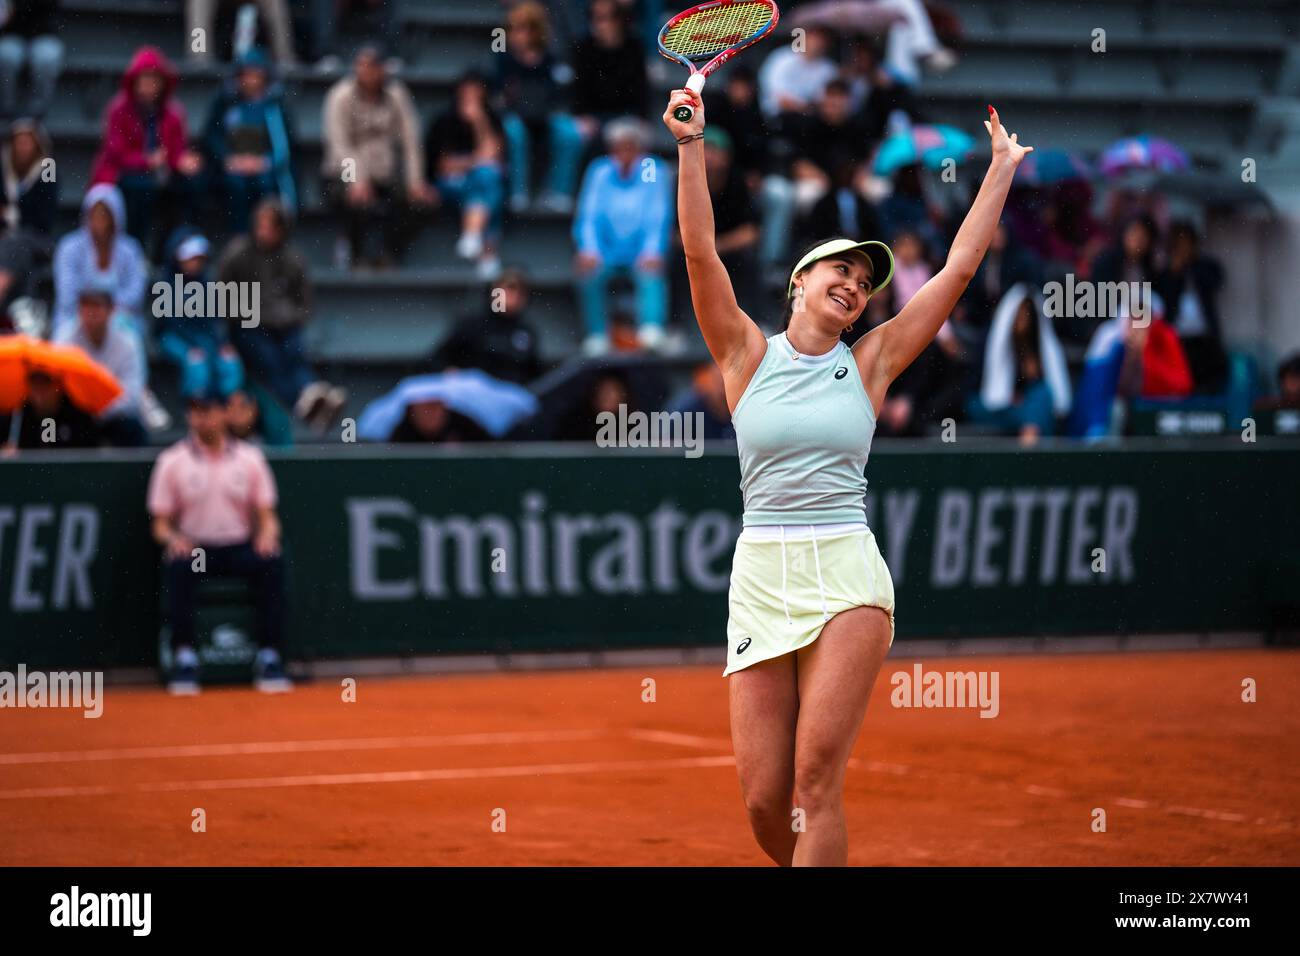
990, 111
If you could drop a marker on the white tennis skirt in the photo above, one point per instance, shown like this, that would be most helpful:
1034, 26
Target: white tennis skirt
787, 581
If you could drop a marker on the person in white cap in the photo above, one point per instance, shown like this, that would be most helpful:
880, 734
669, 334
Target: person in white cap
811, 601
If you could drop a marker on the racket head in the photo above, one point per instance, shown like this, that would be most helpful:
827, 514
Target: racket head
711, 33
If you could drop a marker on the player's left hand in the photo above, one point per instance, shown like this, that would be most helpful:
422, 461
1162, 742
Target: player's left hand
1004, 145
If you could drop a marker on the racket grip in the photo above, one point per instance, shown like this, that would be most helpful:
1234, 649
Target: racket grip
684, 113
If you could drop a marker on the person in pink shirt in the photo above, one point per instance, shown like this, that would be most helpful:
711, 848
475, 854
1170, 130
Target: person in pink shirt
213, 503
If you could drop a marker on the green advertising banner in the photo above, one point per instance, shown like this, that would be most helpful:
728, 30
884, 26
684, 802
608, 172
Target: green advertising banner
525, 548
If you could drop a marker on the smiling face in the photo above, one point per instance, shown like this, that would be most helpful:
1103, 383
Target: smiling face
835, 291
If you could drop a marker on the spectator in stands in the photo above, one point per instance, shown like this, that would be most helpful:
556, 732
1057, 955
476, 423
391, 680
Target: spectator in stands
843, 211
735, 219
48, 413
911, 270
908, 208
465, 149
912, 41
1189, 285
1026, 385
608, 391
609, 75
272, 349
876, 92
1004, 265
737, 112
499, 339
1288, 387
117, 348
707, 397
145, 150
248, 139
100, 254
214, 497
252, 416
432, 422
202, 15
29, 196
198, 345
28, 38
1130, 260
791, 80
621, 227
528, 84
373, 168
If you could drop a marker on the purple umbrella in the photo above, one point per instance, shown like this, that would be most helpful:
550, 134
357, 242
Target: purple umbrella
1143, 152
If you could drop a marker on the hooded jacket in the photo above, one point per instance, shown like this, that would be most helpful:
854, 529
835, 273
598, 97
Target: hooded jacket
997, 390
30, 201
131, 133
76, 266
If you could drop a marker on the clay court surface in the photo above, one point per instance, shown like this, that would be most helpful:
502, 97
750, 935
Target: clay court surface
588, 774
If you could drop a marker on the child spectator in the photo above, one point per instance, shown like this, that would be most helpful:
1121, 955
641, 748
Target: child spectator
198, 345
145, 150
374, 162
621, 228
117, 348
248, 140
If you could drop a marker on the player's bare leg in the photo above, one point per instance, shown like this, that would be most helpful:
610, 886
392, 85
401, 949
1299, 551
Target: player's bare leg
764, 710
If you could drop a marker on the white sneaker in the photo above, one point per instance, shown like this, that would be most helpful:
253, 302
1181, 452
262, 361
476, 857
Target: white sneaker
156, 418
651, 337
489, 268
557, 202
519, 202
470, 245
594, 345
310, 400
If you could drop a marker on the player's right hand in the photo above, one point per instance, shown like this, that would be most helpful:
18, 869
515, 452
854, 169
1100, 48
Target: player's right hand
684, 98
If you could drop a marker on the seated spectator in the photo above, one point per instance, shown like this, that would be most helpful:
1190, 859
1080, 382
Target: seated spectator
1131, 260
465, 150
215, 493
49, 419
202, 15
1288, 387
198, 345
253, 416
1004, 265
707, 397
272, 350
737, 112
907, 207
29, 200
622, 228
528, 84
609, 75
877, 93
1190, 286
608, 391
1128, 359
116, 347
911, 270
792, 80
432, 422
499, 339
912, 41
373, 168
826, 140
248, 141
145, 150
28, 37
1026, 385
99, 254
843, 211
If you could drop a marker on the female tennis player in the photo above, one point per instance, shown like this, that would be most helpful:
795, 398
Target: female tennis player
811, 602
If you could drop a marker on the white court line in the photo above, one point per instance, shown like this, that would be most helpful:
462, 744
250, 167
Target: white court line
680, 740
348, 779
296, 746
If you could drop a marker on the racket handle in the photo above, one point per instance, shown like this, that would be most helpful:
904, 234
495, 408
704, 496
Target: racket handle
684, 113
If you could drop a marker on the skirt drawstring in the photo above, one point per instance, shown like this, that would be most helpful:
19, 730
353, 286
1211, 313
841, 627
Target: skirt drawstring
784, 603
821, 589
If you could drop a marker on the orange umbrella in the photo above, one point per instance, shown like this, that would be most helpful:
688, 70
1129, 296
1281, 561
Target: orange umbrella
88, 384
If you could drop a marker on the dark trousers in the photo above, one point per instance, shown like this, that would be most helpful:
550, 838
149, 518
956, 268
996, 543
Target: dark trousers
266, 575
384, 228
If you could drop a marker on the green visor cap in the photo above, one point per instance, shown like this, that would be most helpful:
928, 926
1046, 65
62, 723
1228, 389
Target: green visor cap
882, 260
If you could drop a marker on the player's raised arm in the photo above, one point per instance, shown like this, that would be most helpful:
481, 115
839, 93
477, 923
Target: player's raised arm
895, 343
731, 336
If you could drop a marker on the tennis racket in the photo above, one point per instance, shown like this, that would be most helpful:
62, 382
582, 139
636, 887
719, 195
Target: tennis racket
712, 33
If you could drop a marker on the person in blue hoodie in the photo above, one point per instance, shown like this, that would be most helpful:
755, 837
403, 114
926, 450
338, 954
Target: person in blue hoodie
198, 345
101, 254
248, 138
621, 227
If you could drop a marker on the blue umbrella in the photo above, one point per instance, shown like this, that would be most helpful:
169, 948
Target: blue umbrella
927, 145
1143, 152
1050, 166
495, 405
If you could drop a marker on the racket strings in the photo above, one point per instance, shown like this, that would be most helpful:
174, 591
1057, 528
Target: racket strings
710, 32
